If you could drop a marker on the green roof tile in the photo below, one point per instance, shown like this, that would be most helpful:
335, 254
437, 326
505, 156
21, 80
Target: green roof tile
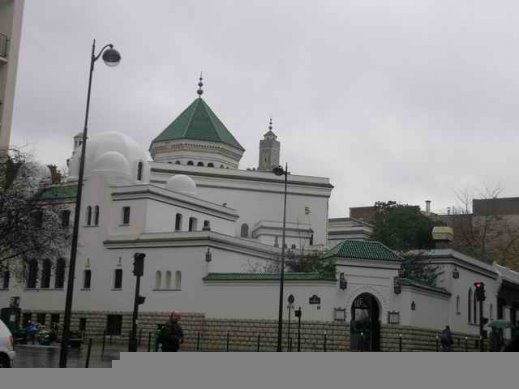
266, 277
198, 122
59, 192
362, 249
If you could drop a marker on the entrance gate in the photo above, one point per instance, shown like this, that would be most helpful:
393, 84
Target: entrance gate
365, 323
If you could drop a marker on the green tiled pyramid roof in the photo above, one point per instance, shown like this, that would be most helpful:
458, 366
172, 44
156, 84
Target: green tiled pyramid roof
362, 249
59, 192
289, 276
198, 122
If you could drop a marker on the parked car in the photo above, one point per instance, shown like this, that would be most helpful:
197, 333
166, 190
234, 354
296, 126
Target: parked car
7, 352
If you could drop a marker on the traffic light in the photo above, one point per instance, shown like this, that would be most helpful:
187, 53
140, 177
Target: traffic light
138, 264
480, 291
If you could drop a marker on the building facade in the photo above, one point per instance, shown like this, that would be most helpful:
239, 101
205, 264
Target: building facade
212, 233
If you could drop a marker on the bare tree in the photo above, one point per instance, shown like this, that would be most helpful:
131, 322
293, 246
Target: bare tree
488, 233
30, 228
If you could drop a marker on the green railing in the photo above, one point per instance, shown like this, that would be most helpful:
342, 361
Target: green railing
4, 43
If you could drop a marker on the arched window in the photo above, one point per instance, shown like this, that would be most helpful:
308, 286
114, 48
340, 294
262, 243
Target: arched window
244, 230
178, 279
126, 216
469, 305
45, 274
457, 304
5, 279
177, 162
200, 164
59, 280
87, 278
118, 278
168, 280
139, 171
89, 215
190, 163
158, 279
210, 164
178, 222
192, 224
65, 218
221, 166
96, 215
207, 225
32, 274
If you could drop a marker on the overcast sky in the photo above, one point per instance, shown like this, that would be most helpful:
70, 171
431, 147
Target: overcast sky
407, 100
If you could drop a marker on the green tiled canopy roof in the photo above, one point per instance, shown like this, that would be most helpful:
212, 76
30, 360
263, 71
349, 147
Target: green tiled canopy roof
59, 192
266, 277
362, 249
198, 122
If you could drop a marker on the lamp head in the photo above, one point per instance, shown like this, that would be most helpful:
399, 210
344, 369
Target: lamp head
111, 57
278, 170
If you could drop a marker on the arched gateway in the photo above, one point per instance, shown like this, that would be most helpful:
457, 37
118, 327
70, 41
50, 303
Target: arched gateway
365, 323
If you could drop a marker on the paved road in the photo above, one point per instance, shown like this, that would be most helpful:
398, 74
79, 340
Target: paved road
48, 356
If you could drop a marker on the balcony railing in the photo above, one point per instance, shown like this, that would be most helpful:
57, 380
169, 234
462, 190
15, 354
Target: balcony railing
4, 45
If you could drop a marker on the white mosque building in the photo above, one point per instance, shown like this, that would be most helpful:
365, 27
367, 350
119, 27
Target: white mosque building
211, 231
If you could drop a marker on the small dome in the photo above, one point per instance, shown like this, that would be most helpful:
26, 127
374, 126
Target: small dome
112, 162
181, 183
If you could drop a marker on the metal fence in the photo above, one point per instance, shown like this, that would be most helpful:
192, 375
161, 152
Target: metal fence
4, 45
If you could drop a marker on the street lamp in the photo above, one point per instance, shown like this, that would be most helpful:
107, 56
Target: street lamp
111, 57
279, 171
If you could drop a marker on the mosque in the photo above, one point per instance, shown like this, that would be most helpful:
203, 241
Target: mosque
212, 233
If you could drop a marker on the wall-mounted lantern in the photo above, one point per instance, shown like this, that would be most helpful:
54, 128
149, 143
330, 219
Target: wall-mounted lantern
343, 284
455, 273
396, 285
393, 317
208, 256
119, 264
413, 306
339, 314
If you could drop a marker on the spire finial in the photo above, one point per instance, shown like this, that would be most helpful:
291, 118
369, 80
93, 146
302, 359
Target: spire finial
270, 124
200, 91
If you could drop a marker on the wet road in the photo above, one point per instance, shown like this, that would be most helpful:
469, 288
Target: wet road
48, 356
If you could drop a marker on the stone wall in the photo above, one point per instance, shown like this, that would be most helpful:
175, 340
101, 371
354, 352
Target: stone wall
206, 334
423, 339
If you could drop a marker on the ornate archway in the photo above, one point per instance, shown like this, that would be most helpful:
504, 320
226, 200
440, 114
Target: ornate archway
365, 323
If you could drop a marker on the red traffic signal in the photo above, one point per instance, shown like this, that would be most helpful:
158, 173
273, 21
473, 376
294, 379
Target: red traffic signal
480, 291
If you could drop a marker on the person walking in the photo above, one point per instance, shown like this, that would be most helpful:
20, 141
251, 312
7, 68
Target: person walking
446, 339
171, 336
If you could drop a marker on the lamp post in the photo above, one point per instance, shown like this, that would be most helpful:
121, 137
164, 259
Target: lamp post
279, 171
111, 57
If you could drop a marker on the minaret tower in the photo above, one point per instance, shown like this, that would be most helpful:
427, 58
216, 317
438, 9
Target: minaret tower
269, 150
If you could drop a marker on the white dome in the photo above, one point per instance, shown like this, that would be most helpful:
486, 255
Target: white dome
100, 144
112, 162
181, 183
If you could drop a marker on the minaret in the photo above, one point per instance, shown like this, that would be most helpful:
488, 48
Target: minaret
269, 150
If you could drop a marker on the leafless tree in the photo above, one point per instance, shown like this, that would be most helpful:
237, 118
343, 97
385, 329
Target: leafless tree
489, 234
30, 227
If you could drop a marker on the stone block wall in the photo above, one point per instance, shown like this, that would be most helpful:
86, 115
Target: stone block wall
208, 334
423, 339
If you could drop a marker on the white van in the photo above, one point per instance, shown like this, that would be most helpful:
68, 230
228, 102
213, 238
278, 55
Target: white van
7, 352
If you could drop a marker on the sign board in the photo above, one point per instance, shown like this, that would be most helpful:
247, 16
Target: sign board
314, 299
